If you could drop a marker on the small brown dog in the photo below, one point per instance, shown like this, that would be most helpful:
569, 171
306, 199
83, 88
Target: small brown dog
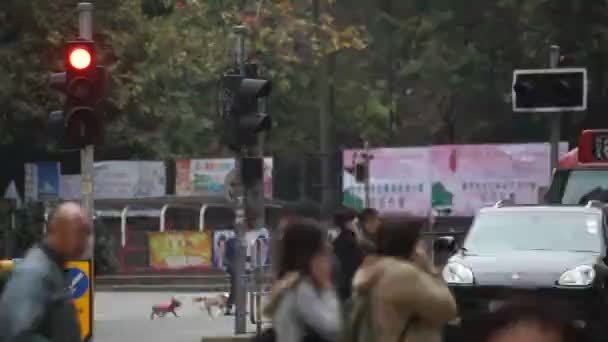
207, 303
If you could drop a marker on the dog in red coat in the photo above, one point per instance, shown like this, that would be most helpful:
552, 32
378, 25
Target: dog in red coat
162, 309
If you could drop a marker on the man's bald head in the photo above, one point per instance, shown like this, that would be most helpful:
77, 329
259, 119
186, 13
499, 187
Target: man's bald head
69, 230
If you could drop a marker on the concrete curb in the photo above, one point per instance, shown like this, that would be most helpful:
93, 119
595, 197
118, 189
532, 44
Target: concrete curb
162, 288
236, 338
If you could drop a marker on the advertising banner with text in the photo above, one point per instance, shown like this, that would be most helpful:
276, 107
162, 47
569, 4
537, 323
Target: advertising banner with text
121, 179
469, 177
180, 250
206, 176
400, 181
453, 179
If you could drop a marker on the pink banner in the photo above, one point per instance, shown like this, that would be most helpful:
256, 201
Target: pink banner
468, 177
400, 181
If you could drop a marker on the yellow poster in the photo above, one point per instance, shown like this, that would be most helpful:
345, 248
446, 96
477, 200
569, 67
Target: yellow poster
179, 250
81, 283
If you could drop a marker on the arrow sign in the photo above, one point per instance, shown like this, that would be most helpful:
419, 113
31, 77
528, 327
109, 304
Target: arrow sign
79, 282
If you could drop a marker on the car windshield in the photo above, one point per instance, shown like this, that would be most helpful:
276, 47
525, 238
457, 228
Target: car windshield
534, 230
585, 185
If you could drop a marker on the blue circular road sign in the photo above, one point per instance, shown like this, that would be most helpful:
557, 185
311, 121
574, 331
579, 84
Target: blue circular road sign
79, 282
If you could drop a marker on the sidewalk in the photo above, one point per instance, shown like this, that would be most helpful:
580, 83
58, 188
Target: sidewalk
233, 338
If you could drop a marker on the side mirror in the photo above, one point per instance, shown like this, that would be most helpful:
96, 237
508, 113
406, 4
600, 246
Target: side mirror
445, 244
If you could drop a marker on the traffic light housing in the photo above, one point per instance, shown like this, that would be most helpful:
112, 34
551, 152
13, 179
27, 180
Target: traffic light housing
242, 118
83, 84
549, 90
360, 172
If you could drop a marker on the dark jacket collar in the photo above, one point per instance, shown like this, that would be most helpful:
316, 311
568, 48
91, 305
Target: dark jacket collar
60, 261
347, 234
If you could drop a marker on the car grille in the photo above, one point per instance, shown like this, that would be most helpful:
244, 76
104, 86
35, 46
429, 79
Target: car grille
479, 300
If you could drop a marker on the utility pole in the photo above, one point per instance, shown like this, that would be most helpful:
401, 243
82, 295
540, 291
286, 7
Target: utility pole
367, 157
240, 320
87, 153
555, 118
324, 121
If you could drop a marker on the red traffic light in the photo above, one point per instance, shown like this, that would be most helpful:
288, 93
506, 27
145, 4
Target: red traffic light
80, 58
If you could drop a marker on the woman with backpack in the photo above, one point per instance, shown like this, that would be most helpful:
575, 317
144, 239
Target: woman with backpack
304, 305
399, 295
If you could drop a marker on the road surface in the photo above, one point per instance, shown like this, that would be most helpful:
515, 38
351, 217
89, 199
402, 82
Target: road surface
125, 316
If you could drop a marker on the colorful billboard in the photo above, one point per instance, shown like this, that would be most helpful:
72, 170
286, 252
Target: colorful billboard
400, 181
452, 180
207, 176
179, 250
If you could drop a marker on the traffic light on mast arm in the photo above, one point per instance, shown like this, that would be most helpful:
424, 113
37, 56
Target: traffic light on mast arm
83, 84
242, 118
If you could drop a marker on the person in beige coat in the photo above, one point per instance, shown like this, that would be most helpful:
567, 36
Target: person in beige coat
406, 288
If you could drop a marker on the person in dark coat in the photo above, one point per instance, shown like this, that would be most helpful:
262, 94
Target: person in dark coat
229, 260
347, 250
369, 221
36, 304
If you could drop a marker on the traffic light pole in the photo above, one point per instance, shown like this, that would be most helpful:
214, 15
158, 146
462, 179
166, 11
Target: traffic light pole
555, 119
366, 159
239, 276
85, 20
87, 167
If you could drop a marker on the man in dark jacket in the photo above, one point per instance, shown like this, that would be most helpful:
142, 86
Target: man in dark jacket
229, 260
36, 304
369, 221
347, 250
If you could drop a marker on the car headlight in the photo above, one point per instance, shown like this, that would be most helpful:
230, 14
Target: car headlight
579, 276
455, 273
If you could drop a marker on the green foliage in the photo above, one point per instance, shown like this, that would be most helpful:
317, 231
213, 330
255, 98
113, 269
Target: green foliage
157, 8
106, 261
441, 70
29, 228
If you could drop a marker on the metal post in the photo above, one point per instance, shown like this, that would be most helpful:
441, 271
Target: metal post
87, 159
240, 321
324, 122
366, 160
87, 168
10, 234
555, 119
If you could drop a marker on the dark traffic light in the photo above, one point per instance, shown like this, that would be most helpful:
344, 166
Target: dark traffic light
242, 118
549, 90
83, 84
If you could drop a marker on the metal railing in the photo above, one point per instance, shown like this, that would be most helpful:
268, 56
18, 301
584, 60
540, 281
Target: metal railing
257, 292
255, 280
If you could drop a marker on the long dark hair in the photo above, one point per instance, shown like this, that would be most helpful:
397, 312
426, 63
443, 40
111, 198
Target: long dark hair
343, 216
302, 240
398, 238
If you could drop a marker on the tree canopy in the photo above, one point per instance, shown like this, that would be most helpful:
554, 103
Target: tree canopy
401, 72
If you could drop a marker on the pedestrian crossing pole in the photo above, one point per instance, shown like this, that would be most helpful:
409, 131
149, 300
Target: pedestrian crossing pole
367, 157
85, 12
240, 321
87, 153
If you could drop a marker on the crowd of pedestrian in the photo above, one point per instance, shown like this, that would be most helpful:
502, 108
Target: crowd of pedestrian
376, 282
